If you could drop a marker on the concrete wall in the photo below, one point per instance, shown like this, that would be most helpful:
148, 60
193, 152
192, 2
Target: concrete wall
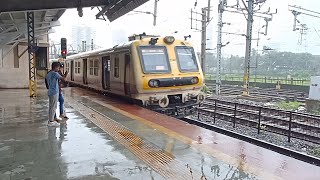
312, 105
11, 75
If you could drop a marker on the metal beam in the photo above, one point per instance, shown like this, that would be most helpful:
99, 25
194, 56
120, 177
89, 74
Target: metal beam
7, 30
10, 49
12, 19
38, 36
31, 5
31, 51
117, 11
10, 38
20, 22
59, 14
102, 11
43, 17
8, 34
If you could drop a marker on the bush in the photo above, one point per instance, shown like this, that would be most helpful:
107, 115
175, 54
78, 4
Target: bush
288, 105
206, 90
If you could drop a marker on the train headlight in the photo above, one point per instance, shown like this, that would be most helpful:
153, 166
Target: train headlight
154, 83
195, 80
169, 39
164, 102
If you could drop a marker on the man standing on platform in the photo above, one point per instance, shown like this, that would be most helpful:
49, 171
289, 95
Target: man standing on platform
61, 98
53, 91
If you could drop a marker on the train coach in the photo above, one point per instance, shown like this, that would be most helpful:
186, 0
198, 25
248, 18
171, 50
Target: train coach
160, 73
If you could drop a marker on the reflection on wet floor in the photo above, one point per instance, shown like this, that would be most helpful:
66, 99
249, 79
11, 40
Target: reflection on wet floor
100, 143
193, 160
76, 150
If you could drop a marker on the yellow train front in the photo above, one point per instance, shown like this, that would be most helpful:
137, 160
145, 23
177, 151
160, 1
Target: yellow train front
161, 73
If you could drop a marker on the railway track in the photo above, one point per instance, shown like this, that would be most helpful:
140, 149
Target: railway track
263, 94
282, 150
291, 124
206, 110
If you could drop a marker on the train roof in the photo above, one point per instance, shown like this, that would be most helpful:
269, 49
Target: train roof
109, 50
99, 51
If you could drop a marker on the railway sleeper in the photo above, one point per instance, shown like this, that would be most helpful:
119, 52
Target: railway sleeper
264, 117
278, 129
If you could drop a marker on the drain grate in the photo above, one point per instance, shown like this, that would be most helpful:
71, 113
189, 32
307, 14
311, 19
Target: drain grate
160, 161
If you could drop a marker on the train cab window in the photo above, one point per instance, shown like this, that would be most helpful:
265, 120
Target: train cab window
95, 67
116, 67
154, 59
186, 59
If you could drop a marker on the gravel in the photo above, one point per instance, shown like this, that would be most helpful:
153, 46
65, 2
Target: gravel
235, 99
280, 140
272, 104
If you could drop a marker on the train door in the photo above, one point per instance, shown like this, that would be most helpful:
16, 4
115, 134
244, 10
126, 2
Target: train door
72, 70
127, 75
106, 68
85, 73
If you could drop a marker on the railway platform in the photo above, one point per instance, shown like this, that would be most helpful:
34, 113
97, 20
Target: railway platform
106, 138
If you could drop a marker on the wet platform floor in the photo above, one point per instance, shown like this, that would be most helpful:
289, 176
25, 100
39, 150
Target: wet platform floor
110, 139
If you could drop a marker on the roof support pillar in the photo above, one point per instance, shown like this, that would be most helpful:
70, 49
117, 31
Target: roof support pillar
31, 51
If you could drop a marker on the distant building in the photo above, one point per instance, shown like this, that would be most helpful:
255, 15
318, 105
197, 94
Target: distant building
82, 33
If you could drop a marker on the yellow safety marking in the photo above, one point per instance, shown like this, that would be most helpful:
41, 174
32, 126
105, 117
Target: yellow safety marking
32, 78
160, 161
169, 145
202, 147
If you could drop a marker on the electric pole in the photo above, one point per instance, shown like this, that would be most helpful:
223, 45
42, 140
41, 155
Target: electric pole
155, 12
248, 48
296, 11
249, 11
219, 47
203, 41
205, 19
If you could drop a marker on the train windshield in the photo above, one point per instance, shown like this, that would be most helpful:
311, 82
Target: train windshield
186, 59
154, 59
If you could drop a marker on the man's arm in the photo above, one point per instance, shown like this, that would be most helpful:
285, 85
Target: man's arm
63, 77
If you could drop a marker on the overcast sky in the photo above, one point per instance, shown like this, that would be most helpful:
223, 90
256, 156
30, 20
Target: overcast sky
174, 15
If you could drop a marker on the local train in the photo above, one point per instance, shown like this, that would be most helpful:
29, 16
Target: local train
160, 73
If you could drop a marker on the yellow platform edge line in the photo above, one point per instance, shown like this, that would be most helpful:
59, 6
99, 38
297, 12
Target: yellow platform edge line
111, 127
204, 148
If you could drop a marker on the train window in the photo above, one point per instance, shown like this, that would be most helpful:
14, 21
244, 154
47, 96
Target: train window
116, 67
95, 68
91, 67
154, 59
77, 68
68, 67
186, 59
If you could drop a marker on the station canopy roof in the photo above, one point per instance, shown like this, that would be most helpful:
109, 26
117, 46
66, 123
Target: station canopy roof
13, 15
13, 25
